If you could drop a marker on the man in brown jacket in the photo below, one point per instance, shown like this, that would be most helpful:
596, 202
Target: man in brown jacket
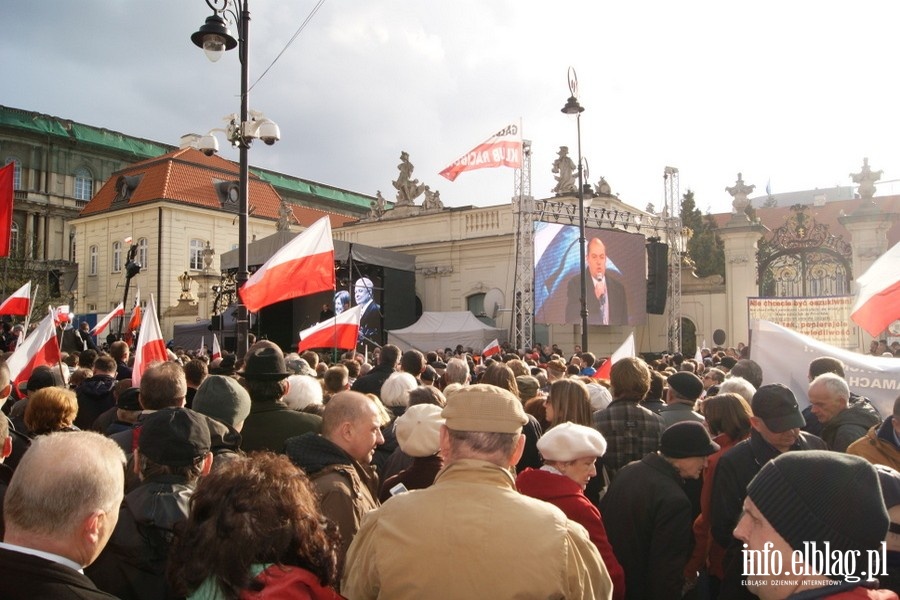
339, 461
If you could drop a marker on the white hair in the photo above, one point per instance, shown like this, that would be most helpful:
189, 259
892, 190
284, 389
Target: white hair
303, 390
396, 388
739, 386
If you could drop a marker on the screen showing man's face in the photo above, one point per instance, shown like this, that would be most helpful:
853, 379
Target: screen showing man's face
361, 293
596, 258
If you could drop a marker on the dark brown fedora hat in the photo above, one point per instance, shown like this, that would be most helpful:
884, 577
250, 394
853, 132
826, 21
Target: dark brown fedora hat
264, 362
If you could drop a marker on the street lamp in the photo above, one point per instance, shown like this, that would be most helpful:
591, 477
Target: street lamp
215, 38
572, 107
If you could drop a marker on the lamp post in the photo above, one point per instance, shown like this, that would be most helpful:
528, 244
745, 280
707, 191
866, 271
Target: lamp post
214, 38
573, 107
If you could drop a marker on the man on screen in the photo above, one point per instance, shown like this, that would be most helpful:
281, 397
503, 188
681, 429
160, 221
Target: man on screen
604, 296
370, 321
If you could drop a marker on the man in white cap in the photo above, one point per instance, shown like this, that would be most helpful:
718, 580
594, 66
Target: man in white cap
467, 537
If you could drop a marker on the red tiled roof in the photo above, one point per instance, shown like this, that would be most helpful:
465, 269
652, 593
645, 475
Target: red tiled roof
827, 214
188, 176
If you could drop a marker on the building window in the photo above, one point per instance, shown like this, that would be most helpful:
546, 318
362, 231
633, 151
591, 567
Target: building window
143, 253
117, 257
196, 258
84, 184
17, 172
92, 260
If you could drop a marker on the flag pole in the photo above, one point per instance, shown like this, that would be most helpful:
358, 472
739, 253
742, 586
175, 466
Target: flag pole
33, 300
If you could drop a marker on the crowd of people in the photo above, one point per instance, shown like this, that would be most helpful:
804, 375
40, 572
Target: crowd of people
440, 475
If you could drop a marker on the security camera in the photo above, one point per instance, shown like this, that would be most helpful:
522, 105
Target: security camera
269, 132
208, 144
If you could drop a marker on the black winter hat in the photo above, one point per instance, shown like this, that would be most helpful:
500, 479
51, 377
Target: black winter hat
687, 439
264, 362
804, 497
776, 405
175, 437
687, 385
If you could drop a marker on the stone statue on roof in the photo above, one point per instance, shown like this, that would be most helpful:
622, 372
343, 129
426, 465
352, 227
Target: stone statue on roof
378, 206
564, 169
432, 200
285, 217
739, 192
408, 189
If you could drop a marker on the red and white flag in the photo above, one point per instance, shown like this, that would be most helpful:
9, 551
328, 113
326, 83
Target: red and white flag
216, 350
624, 351
201, 351
6, 206
102, 324
341, 331
878, 297
491, 349
304, 266
62, 314
151, 348
503, 149
134, 323
40, 348
18, 303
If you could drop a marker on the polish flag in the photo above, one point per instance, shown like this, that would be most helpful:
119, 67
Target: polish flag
202, 350
18, 303
151, 348
624, 351
491, 349
62, 314
503, 149
878, 297
341, 331
40, 348
102, 324
216, 350
303, 266
135, 322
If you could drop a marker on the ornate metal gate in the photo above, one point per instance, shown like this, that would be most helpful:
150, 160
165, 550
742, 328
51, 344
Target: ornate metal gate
802, 259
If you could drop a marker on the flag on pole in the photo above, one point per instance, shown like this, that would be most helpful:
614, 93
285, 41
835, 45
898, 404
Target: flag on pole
623, 351
878, 296
491, 349
40, 348
304, 266
151, 347
18, 303
503, 149
698, 356
134, 323
202, 350
341, 331
62, 315
102, 324
6, 207
216, 350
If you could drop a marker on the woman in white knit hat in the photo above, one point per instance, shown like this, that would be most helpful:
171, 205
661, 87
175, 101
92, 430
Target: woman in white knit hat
570, 452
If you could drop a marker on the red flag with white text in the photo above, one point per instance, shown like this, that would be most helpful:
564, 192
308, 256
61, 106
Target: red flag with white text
40, 348
503, 149
340, 331
102, 324
303, 266
624, 351
18, 303
491, 349
6, 207
151, 348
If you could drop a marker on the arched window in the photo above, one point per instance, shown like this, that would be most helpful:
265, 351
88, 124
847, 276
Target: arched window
13, 239
92, 260
475, 303
196, 257
84, 184
143, 253
116, 257
17, 171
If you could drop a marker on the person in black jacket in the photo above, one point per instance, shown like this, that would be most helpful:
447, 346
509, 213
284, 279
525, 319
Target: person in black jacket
173, 453
63, 501
371, 382
648, 514
96, 395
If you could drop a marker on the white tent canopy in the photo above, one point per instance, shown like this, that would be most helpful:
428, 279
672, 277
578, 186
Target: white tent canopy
436, 330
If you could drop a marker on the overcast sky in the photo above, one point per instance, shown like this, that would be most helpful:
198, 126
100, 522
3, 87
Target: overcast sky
795, 93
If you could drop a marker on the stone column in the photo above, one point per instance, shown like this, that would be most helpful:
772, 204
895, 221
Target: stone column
740, 236
868, 226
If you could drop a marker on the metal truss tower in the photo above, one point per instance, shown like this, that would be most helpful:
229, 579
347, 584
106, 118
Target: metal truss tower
674, 239
523, 209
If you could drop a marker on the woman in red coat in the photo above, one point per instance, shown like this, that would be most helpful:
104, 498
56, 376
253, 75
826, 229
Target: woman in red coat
570, 452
